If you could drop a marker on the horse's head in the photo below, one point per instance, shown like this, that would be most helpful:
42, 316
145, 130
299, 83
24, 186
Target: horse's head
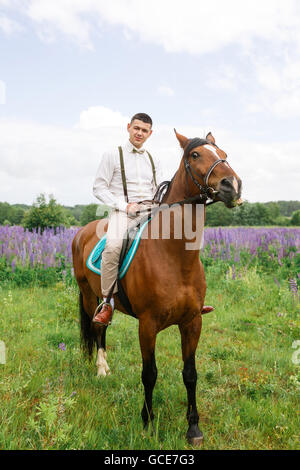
207, 171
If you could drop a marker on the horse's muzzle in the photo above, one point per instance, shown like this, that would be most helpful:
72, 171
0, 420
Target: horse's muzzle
229, 191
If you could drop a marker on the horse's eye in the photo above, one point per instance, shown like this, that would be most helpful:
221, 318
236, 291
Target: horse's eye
195, 155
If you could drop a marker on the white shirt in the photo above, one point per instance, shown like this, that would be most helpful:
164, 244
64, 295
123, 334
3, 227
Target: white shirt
108, 186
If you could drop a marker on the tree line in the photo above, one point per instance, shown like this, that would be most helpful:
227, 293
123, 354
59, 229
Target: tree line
280, 213
49, 213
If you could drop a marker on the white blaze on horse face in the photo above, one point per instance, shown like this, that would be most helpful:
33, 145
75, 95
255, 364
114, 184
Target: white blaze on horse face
212, 149
235, 184
102, 366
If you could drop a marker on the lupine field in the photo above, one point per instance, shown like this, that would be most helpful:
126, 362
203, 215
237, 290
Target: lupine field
247, 360
270, 249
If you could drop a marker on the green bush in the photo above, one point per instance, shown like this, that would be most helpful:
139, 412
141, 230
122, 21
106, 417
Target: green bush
295, 220
46, 215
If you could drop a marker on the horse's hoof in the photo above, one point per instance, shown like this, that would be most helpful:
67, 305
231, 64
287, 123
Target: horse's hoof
195, 441
194, 436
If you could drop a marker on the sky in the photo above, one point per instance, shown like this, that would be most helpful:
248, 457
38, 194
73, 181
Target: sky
73, 72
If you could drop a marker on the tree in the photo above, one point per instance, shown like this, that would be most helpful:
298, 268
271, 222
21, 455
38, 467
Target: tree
218, 215
42, 214
76, 212
17, 215
5, 210
92, 212
252, 214
88, 214
295, 220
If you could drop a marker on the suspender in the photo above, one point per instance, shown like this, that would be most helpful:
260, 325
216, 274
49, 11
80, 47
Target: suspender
123, 172
153, 168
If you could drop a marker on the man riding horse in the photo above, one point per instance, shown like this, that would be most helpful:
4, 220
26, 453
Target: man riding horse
126, 181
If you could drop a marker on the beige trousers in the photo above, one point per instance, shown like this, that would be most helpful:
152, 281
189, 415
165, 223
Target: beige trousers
119, 222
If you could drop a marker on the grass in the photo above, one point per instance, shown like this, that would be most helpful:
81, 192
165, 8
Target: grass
247, 392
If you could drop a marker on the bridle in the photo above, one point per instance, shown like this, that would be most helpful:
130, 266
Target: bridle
206, 192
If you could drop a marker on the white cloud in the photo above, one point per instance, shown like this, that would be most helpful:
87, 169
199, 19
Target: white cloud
9, 26
279, 87
200, 27
66, 17
36, 158
196, 27
223, 78
98, 116
165, 91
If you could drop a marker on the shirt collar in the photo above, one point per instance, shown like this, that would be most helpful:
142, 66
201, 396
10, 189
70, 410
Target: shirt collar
131, 148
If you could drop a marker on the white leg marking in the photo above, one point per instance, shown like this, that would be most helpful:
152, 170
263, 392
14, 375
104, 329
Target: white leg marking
102, 366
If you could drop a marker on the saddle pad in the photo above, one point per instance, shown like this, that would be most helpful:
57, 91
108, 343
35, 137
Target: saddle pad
95, 257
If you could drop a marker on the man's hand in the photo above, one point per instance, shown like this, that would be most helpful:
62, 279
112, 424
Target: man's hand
132, 208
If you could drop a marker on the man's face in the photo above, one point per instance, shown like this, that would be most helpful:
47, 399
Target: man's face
139, 132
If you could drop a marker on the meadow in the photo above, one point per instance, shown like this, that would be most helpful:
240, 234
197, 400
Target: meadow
248, 358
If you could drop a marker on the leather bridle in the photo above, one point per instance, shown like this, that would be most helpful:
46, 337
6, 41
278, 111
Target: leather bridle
205, 192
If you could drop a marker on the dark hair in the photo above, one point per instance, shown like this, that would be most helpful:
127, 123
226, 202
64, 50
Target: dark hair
142, 117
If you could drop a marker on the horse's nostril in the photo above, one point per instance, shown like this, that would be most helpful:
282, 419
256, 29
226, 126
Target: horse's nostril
226, 183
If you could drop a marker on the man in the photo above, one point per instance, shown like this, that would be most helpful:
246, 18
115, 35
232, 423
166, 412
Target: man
122, 189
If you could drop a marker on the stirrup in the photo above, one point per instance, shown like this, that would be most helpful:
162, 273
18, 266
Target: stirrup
98, 308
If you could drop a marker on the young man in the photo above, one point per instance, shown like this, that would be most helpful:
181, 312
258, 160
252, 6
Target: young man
140, 175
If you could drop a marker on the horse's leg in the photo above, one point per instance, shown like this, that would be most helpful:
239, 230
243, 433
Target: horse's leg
147, 337
190, 334
102, 366
92, 333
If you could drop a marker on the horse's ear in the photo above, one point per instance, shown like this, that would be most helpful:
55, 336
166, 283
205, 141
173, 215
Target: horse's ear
181, 139
210, 138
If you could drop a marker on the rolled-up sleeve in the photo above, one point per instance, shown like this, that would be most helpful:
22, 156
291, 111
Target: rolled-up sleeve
102, 182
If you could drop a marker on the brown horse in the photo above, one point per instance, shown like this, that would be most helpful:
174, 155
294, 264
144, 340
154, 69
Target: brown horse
165, 282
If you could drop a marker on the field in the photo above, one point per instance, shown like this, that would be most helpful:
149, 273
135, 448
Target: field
247, 359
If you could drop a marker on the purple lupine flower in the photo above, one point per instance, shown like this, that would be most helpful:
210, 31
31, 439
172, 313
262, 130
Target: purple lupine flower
277, 282
293, 287
62, 346
233, 272
13, 265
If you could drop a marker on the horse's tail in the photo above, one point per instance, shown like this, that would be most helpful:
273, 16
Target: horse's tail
88, 339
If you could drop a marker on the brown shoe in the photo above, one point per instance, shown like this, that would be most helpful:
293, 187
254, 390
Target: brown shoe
104, 316
207, 309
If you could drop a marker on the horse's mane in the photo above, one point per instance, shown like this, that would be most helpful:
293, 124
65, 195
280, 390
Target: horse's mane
196, 142
162, 190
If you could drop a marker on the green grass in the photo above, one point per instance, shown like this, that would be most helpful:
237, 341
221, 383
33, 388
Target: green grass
247, 391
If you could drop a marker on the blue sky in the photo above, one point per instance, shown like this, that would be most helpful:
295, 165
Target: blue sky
73, 72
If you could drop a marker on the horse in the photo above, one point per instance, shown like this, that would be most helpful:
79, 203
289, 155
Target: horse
165, 282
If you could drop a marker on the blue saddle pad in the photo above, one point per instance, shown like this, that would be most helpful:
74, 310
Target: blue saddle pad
95, 257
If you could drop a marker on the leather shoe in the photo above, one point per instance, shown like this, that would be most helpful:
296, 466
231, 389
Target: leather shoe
104, 316
207, 309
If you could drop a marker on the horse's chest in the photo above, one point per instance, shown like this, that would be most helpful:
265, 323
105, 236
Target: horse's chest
184, 305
